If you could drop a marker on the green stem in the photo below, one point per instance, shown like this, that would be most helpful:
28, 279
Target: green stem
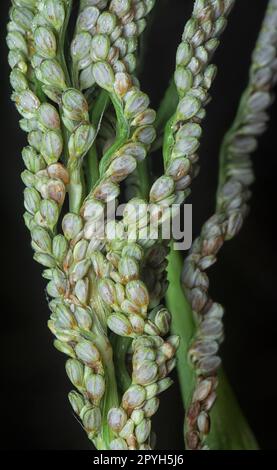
111, 397
144, 179
75, 75
60, 52
76, 186
104, 346
122, 134
121, 345
92, 169
182, 324
168, 142
167, 107
120, 348
75, 189
165, 112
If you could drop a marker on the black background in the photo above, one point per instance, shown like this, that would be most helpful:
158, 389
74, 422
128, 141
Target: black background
35, 413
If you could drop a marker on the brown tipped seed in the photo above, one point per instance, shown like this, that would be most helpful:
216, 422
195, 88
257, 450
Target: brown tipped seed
137, 293
120, 324
58, 171
209, 365
95, 385
161, 189
136, 104
117, 419
137, 323
106, 191
192, 439
106, 289
128, 268
56, 190
133, 397
203, 423
208, 403
178, 168
122, 84
193, 412
129, 308
121, 167
146, 373
87, 352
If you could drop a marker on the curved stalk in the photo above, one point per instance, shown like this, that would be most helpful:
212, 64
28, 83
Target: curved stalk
229, 430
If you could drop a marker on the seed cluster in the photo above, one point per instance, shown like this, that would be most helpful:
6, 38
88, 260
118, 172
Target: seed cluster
105, 42
111, 42
194, 76
111, 287
45, 177
233, 195
130, 315
94, 284
152, 361
34, 34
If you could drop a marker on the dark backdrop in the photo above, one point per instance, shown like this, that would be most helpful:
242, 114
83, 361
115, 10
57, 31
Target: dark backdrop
35, 413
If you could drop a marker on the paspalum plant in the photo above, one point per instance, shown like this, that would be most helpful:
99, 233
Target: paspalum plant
122, 303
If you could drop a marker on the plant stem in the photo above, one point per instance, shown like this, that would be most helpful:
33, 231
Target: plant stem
122, 134
120, 348
104, 346
75, 189
92, 170
60, 52
111, 397
144, 178
182, 323
167, 107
